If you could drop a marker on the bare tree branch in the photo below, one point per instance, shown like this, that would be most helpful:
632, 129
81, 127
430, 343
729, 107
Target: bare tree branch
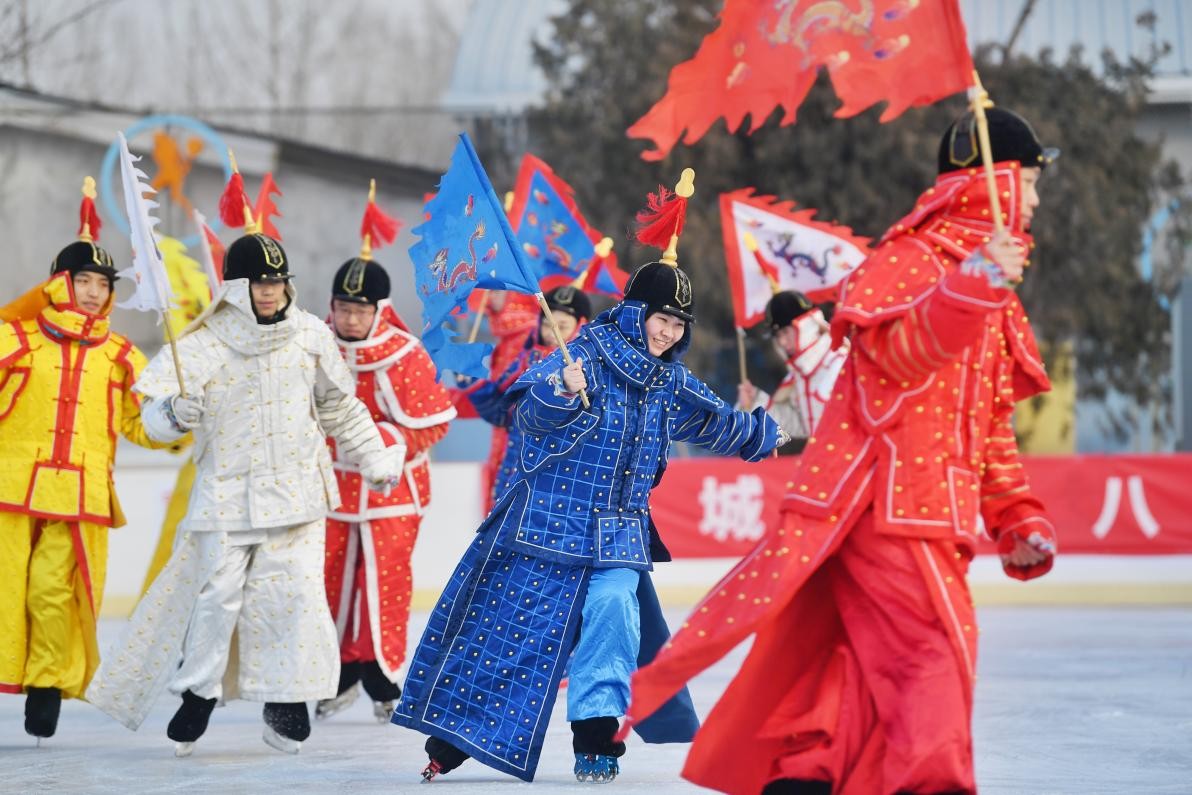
1027, 7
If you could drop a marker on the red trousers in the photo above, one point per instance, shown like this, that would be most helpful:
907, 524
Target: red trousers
864, 679
369, 584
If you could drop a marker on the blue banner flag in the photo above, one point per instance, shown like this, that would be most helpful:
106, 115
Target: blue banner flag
554, 241
466, 242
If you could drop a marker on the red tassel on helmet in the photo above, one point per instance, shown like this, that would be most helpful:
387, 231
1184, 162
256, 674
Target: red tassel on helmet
266, 209
381, 228
89, 223
233, 202
662, 218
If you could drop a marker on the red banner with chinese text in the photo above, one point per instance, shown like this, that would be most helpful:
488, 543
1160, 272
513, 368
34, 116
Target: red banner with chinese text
1101, 504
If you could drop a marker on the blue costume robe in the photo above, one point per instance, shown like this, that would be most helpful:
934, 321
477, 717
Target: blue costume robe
486, 672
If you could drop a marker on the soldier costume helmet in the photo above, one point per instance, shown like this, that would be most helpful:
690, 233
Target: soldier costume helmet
258, 258
661, 285
1010, 138
85, 254
361, 279
786, 307
571, 300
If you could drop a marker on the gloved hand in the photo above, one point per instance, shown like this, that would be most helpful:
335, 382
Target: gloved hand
185, 412
383, 471
783, 437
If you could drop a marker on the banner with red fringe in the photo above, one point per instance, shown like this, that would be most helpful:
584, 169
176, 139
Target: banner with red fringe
792, 249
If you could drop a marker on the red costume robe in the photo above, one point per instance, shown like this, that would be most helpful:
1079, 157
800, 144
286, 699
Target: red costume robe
862, 669
370, 536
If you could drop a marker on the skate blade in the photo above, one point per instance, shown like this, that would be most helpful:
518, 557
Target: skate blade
281, 742
333, 706
382, 711
38, 745
183, 749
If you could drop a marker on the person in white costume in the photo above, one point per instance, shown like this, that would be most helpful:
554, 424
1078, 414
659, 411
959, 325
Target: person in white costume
801, 334
240, 609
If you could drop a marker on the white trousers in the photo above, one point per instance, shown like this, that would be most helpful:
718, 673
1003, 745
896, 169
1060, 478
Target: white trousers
262, 610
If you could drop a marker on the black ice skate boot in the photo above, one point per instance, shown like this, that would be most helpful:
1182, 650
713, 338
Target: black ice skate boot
596, 753
384, 694
444, 757
189, 722
346, 695
286, 725
42, 706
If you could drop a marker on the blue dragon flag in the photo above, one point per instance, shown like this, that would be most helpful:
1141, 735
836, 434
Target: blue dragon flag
465, 243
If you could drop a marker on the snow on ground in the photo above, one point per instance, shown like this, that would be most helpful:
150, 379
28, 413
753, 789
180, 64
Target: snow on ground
1070, 700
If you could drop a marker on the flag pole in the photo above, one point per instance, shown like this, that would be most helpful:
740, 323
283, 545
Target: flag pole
174, 350
741, 354
479, 316
979, 99
554, 327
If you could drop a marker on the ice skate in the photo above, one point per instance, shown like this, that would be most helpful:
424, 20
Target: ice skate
596, 767
189, 722
383, 711
42, 707
286, 726
333, 706
444, 757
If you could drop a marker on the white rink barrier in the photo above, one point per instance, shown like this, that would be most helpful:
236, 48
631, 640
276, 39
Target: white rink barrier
145, 480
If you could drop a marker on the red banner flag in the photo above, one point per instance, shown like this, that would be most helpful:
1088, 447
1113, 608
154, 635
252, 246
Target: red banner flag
768, 239
767, 54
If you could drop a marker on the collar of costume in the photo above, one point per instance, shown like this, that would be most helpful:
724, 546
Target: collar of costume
955, 213
230, 317
63, 318
812, 343
620, 334
388, 340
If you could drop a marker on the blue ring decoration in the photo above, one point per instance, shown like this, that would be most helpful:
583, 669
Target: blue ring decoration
1146, 264
207, 133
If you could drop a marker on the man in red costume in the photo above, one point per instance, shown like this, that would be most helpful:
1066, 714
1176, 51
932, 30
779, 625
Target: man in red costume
370, 537
860, 679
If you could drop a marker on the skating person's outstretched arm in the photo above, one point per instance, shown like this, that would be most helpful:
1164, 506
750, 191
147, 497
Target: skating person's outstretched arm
703, 419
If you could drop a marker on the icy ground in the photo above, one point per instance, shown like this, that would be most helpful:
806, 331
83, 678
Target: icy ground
1071, 700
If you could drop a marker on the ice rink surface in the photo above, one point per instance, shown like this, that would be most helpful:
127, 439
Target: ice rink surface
1069, 700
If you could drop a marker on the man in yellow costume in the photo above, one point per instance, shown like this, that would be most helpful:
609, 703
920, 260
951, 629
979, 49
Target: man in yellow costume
65, 393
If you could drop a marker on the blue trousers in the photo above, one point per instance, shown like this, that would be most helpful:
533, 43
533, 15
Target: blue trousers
605, 657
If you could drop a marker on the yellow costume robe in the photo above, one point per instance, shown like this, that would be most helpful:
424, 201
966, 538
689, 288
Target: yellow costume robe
65, 393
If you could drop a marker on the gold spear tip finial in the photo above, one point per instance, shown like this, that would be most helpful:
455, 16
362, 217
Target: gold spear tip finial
604, 247
508, 200
750, 241
232, 159
89, 187
372, 190
686, 186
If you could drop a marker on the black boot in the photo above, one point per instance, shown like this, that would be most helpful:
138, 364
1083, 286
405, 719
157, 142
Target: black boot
189, 722
286, 725
42, 706
596, 753
795, 786
346, 694
444, 757
384, 694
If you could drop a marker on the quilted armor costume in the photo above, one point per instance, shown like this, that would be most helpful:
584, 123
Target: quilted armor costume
65, 395
264, 484
370, 536
486, 672
863, 584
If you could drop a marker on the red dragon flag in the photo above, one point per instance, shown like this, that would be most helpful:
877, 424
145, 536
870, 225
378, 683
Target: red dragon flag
769, 246
767, 53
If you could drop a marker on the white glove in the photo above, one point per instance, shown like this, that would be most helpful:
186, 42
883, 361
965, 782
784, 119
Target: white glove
185, 413
382, 471
783, 437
